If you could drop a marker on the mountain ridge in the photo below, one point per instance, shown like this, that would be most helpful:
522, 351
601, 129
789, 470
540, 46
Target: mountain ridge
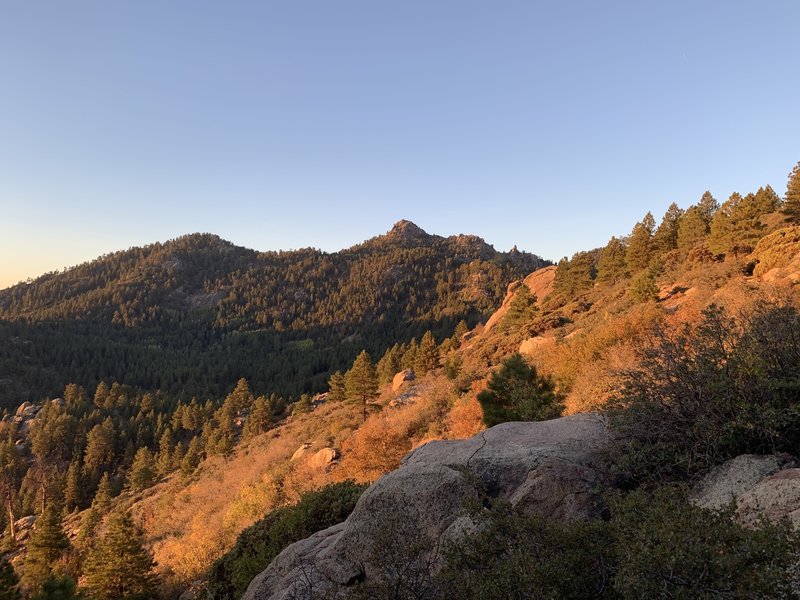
176, 300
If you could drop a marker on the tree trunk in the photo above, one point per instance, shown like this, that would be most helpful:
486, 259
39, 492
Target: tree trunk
12, 527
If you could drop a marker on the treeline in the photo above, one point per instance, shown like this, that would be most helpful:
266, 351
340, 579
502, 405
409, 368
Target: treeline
82, 450
704, 232
191, 315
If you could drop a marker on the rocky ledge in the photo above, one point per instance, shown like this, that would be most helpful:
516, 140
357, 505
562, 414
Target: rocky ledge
548, 468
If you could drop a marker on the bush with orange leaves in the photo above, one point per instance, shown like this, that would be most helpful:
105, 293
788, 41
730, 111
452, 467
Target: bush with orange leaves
381, 442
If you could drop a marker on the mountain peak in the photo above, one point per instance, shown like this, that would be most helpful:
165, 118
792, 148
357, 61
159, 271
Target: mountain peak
406, 230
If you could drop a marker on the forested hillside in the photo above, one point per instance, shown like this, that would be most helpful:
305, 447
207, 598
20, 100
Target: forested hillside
191, 316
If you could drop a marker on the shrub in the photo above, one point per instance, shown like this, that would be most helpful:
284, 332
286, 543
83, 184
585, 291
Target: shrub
259, 544
655, 545
703, 395
517, 392
667, 548
529, 557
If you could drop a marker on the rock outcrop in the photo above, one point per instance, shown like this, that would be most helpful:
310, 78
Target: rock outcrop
402, 377
540, 284
405, 518
759, 487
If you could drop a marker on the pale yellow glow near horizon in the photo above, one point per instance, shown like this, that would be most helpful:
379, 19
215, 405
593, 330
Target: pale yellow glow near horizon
21, 259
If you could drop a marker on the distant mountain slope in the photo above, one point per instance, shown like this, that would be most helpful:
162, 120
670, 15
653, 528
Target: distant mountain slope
193, 314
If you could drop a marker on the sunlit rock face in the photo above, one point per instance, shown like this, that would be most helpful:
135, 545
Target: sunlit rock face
549, 468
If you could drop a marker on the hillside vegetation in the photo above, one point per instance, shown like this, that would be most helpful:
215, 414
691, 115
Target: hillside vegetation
193, 315
577, 337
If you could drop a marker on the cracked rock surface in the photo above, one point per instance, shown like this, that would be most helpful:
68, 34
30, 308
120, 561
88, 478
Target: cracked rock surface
402, 521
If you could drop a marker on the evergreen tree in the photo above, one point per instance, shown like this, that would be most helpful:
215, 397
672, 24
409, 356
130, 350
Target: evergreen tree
516, 392
640, 245
736, 226
791, 201
46, 544
336, 388
574, 275
611, 266
101, 504
240, 398
389, 364
665, 237
766, 200
73, 488
193, 456
166, 448
100, 448
708, 207
361, 381
12, 469
692, 229
427, 355
410, 354
260, 418
522, 308
119, 567
143, 470
8, 581
461, 330
303, 405
58, 588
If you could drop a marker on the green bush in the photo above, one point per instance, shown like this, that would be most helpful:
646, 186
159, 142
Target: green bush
709, 393
514, 556
668, 548
655, 545
257, 545
516, 392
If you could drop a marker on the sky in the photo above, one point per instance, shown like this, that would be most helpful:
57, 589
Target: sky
276, 125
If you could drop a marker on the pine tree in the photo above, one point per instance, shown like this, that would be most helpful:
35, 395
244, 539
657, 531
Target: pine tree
521, 309
336, 388
766, 200
58, 588
73, 488
516, 392
791, 201
640, 245
46, 544
389, 364
119, 567
166, 448
8, 581
611, 266
692, 229
240, 398
260, 418
708, 207
143, 470
12, 469
303, 405
361, 381
410, 354
193, 456
665, 237
736, 226
461, 330
427, 355
99, 509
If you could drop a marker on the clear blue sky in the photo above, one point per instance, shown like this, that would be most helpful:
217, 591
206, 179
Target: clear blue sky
550, 125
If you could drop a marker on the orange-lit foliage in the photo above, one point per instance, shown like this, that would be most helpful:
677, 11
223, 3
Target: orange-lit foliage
465, 419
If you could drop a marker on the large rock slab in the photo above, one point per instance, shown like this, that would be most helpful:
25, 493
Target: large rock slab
402, 377
724, 484
401, 522
758, 487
